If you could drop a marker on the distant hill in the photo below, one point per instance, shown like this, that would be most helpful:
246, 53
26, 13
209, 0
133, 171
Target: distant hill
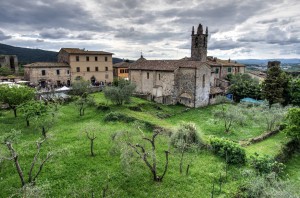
27, 55
265, 61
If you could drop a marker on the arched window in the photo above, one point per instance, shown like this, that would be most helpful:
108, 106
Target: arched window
203, 81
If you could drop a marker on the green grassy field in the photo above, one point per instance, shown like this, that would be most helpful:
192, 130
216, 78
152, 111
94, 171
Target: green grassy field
72, 172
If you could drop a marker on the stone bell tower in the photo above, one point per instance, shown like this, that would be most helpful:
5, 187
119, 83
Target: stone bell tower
199, 44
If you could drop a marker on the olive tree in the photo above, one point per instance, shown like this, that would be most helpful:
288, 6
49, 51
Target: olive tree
186, 139
120, 93
7, 140
15, 96
33, 109
229, 114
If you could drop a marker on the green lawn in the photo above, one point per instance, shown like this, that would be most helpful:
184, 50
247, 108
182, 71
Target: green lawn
72, 172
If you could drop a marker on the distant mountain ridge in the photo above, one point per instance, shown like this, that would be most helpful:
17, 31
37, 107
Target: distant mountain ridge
27, 55
265, 61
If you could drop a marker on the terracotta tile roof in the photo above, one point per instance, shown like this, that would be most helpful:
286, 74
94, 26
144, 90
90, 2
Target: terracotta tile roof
218, 62
47, 64
122, 64
163, 65
82, 51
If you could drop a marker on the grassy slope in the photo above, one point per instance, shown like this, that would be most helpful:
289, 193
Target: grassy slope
72, 172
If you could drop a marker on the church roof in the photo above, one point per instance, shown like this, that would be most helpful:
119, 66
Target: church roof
213, 61
47, 64
163, 65
85, 52
121, 65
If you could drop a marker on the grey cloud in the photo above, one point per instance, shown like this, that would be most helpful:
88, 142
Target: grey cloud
145, 37
224, 45
40, 40
43, 14
54, 33
268, 21
3, 36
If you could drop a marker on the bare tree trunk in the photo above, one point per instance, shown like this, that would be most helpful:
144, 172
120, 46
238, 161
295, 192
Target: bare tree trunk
16, 161
15, 111
44, 132
91, 138
187, 169
181, 161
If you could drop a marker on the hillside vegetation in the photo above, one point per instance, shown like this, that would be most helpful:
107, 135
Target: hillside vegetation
72, 172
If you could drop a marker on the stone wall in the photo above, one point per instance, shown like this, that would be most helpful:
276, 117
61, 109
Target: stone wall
34, 75
158, 84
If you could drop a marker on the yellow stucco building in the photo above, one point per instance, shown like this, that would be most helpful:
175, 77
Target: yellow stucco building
94, 66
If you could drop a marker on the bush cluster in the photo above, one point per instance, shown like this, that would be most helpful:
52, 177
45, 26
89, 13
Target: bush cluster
232, 152
116, 116
103, 107
187, 134
266, 164
135, 108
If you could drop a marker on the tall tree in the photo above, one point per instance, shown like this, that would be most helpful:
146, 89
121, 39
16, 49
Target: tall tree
15, 96
295, 91
275, 87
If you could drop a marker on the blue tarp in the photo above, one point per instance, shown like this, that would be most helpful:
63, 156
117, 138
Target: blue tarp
251, 100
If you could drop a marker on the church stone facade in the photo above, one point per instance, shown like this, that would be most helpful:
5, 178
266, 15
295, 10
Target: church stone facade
193, 82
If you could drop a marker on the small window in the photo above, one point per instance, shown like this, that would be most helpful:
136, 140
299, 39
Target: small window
43, 72
217, 70
68, 71
77, 58
88, 69
106, 76
203, 81
87, 58
147, 75
78, 69
229, 69
57, 72
58, 83
96, 69
122, 71
126, 71
96, 58
106, 68
158, 76
105, 58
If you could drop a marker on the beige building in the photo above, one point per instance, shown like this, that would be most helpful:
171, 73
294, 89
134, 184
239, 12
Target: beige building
193, 81
121, 70
47, 73
94, 66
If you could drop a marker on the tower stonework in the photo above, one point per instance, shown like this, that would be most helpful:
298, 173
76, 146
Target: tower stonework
199, 44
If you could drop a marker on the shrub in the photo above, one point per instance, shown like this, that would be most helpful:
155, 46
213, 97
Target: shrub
187, 133
115, 116
266, 164
121, 93
103, 107
232, 152
135, 108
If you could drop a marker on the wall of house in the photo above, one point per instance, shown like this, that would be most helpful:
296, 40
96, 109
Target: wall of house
203, 76
185, 86
160, 84
34, 75
101, 75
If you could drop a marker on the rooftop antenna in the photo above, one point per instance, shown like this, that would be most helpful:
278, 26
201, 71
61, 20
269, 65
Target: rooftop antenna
142, 54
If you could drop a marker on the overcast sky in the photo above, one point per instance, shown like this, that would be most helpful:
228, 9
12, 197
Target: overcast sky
161, 29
